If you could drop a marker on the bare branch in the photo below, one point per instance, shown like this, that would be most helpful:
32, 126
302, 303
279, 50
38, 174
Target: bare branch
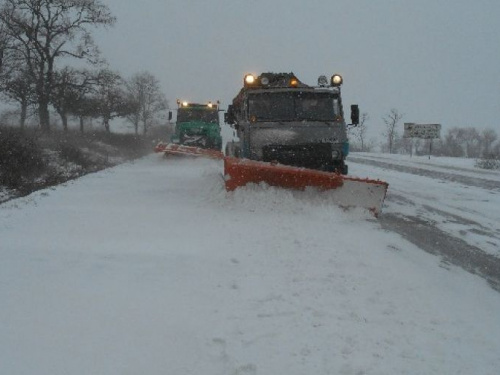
41, 31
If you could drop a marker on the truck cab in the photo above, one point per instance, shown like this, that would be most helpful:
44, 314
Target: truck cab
198, 125
279, 119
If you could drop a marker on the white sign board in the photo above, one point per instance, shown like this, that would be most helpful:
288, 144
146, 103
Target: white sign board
426, 131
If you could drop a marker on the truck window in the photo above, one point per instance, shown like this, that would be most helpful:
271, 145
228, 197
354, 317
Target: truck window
292, 106
196, 114
271, 107
314, 107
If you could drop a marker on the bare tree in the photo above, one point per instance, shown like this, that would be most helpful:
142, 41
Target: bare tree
466, 142
452, 145
18, 87
488, 137
134, 117
5, 46
144, 90
361, 130
496, 150
391, 121
84, 108
358, 133
471, 140
70, 85
41, 32
83, 105
111, 100
64, 93
16, 83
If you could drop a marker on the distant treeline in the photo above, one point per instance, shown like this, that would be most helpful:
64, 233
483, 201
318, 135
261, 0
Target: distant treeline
35, 77
455, 142
465, 142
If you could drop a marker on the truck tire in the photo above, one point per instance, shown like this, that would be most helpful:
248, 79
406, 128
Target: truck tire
345, 169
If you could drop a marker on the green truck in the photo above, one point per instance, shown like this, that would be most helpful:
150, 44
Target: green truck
198, 125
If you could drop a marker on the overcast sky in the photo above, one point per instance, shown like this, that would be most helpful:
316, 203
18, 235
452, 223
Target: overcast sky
435, 61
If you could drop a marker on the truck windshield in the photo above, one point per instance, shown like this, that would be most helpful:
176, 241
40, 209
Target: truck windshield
197, 114
292, 106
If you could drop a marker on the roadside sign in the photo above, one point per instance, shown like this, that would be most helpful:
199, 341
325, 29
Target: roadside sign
425, 131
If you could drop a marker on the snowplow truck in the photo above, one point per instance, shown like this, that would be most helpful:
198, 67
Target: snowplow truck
197, 131
198, 125
280, 119
293, 135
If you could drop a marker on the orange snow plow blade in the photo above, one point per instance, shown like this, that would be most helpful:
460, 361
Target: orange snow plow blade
346, 191
240, 172
176, 149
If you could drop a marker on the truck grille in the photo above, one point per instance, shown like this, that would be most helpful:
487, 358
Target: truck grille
316, 156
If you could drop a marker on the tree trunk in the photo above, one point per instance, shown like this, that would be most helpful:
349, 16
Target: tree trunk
64, 119
106, 124
43, 114
24, 111
44, 86
81, 124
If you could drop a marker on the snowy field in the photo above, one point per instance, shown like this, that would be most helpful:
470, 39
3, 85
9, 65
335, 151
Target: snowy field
152, 268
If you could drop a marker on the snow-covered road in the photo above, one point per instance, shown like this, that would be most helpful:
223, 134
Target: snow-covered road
444, 205
152, 268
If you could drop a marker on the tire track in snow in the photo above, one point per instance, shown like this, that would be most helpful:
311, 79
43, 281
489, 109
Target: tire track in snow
424, 232
448, 176
452, 250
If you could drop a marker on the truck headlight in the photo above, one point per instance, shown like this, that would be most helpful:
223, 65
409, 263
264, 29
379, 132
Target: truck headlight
336, 80
249, 79
335, 154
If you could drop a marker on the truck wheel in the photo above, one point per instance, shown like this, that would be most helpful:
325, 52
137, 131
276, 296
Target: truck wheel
345, 169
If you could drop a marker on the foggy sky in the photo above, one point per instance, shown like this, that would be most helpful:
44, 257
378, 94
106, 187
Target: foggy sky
434, 61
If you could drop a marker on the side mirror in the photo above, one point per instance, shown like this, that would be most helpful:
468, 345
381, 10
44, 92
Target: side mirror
169, 115
354, 114
229, 115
